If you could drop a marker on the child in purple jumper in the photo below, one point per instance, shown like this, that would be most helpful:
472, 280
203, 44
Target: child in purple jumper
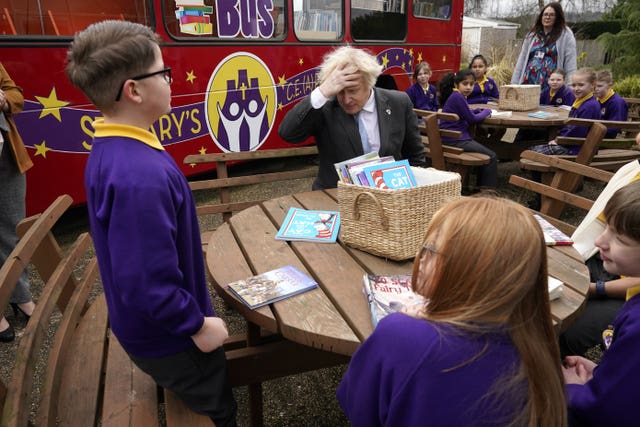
482, 351
609, 395
144, 223
557, 93
454, 89
422, 94
613, 106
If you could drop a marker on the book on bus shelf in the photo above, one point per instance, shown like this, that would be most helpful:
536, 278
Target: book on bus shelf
272, 286
370, 170
388, 294
310, 226
552, 236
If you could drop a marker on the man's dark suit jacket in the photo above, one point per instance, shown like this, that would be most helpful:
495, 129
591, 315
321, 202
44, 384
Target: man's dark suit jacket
336, 132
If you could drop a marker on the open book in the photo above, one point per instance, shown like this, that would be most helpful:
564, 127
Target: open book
388, 294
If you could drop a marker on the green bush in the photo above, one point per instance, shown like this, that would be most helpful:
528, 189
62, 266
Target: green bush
629, 87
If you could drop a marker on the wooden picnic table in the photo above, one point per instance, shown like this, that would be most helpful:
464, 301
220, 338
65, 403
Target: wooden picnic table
335, 317
517, 120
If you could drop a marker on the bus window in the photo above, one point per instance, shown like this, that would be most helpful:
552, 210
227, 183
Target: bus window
317, 19
66, 17
224, 19
439, 9
378, 20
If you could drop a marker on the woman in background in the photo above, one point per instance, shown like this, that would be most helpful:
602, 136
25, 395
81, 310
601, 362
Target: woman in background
550, 44
14, 162
482, 351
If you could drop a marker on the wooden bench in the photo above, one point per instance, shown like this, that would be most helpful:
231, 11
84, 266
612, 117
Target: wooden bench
442, 156
224, 183
610, 154
81, 375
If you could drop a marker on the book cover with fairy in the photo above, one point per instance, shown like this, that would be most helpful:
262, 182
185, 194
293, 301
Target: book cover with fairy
310, 226
552, 235
388, 294
272, 286
391, 175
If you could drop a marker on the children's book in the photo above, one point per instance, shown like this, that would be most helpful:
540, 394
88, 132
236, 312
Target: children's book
391, 175
552, 236
342, 167
542, 114
310, 226
272, 286
388, 294
555, 288
355, 169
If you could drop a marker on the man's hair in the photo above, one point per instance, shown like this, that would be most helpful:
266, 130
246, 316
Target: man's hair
604, 76
622, 211
366, 63
105, 54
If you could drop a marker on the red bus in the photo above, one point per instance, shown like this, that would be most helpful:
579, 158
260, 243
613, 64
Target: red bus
238, 66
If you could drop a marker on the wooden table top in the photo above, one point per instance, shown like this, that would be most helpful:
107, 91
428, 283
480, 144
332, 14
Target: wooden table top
521, 119
335, 316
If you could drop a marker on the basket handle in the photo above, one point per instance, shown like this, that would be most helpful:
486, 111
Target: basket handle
509, 90
356, 210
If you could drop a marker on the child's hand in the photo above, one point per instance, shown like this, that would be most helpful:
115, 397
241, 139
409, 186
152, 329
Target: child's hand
553, 142
577, 370
212, 334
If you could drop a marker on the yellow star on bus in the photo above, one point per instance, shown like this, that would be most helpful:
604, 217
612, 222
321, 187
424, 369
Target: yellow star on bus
203, 150
385, 61
51, 105
41, 149
191, 76
282, 80
419, 57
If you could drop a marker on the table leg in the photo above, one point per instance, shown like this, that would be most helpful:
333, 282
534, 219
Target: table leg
255, 390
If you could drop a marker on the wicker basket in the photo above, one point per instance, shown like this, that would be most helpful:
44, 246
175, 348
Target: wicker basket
392, 223
519, 97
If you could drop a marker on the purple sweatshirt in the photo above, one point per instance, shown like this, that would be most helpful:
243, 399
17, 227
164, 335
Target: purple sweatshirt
564, 96
147, 240
611, 397
423, 100
410, 372
484, 92
457, 103
589, 109
613, 107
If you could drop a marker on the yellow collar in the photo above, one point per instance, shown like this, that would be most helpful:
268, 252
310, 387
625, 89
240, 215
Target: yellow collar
606, 97
578, 102
482, 82
631, 292
103, 130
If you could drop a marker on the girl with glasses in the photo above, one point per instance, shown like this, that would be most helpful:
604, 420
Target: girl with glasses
482, 351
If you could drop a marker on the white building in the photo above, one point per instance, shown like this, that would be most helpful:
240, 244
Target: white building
489, 37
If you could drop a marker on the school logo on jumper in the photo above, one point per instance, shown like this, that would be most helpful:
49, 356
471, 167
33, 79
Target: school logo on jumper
240, 103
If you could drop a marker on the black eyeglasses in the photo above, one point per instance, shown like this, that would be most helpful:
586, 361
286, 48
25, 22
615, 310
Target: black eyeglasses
428, 247
166, 75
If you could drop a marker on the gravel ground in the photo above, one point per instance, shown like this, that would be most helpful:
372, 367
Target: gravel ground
306, 399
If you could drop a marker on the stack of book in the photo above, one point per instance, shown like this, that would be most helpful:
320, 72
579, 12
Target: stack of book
371, 170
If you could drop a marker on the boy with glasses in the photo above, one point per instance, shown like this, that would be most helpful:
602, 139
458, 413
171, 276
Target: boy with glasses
144, 223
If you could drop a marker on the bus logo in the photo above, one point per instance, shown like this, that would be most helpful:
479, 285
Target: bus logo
240, 103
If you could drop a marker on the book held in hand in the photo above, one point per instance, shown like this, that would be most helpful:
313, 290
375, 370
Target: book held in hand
388, 294
310, 226
552, 236
272, 286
